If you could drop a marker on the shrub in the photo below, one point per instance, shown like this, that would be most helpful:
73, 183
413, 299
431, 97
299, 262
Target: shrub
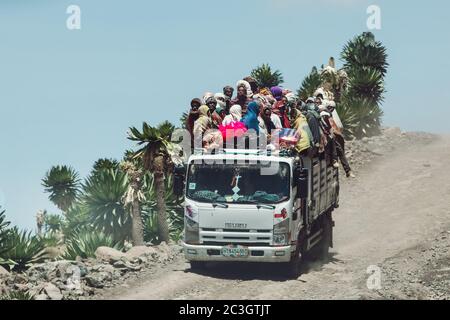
84, 244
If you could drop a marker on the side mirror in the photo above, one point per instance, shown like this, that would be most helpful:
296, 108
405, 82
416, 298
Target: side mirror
302, 184
178, 180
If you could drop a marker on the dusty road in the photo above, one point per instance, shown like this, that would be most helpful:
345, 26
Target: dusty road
396, 204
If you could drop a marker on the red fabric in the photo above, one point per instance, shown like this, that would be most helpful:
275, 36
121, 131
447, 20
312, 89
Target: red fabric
280, 110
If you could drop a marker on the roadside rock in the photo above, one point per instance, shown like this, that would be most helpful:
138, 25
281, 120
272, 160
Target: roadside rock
53, 292
109, 254
98, 279
3, 272
139, 251
125, 265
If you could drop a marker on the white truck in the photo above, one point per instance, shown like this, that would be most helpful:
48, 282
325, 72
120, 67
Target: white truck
248, 205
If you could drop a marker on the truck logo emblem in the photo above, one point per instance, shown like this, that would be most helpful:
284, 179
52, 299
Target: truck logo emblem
230, 225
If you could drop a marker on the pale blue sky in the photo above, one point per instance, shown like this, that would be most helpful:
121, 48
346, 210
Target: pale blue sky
68, 97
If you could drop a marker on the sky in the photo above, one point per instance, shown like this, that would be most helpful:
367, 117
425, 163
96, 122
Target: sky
69, 96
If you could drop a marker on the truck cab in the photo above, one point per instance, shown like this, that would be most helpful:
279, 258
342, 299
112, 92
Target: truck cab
244, 205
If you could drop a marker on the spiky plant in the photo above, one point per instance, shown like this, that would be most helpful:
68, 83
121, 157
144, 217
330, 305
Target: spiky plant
86, 241
366, 83
155, 155
17, 295
102, 199
365, 51
348, 118
5, 245
105, 164
267, 78
25, 249
309, 84
183, 119
367, 116
53, 222
76, 218
62, 183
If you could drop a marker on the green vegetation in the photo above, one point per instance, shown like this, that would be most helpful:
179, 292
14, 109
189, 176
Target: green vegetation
265, 77
84, 243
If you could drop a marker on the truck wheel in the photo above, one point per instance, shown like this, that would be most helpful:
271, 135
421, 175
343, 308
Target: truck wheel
198, 265
323, 247
292, 269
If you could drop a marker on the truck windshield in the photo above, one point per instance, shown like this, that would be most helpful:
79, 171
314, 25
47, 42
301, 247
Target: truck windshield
237, 183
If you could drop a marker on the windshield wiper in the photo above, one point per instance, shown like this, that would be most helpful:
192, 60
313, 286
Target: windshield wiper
219, 204
260, 205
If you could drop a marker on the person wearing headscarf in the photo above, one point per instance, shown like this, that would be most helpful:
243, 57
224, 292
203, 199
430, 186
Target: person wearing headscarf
301, 125
228, 91
202, 124
234, 116
211, 103
220, 115
192, 117
337, 131
277, 93
327, 128
266, 116
251, 117
241, 98
280, 109
248, 88
206, 96
310, 104
253, 84
215, 117
220, 98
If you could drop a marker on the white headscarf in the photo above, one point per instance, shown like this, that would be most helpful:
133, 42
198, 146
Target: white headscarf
218, 97
207, 95
235, 115
247, 86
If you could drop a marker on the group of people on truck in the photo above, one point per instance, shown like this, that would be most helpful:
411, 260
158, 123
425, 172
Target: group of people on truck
313, 126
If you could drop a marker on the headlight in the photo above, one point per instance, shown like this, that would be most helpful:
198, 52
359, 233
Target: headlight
281, 233
279, 239
191, 231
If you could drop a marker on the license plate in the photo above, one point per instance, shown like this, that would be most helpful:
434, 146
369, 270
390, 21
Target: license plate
236, 252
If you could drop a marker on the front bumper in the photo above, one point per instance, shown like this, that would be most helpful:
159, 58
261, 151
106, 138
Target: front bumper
256, 254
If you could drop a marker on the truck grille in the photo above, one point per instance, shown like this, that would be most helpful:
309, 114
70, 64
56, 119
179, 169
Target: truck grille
245, 237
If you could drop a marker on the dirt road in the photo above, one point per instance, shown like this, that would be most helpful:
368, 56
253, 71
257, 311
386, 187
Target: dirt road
397, 204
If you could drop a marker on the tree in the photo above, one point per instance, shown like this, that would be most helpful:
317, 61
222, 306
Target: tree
62, 183
155, 142
309, 84
133, 199
103, 201
365, 51
105, 164
265, 77
366, 84
365, 62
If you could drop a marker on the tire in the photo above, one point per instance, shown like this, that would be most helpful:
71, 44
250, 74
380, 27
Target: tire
293, 268
322, 249
198, 265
